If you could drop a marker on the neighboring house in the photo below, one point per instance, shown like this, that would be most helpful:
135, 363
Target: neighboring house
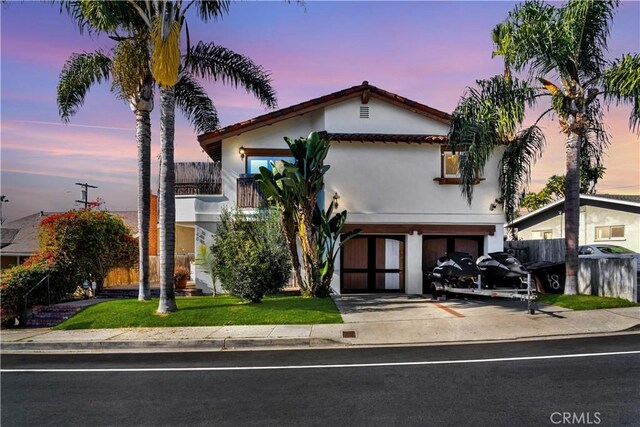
604, 218
20, 237
391, 169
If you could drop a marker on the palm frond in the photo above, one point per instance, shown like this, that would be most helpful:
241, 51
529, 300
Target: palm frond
101, 16
79, 73
216, 63
195, 104
486, 117
592, 148
212, 9
532, 38
515, 167
622, 84
589, 22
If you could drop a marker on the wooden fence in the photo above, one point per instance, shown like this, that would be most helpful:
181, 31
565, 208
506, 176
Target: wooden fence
129, 276
551, 250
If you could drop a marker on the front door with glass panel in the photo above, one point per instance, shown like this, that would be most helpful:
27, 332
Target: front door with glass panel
372, 264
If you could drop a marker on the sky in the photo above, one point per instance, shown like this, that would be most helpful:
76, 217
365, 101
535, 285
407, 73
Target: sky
425, 51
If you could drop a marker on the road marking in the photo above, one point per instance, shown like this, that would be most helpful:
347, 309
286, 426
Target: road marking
346, 365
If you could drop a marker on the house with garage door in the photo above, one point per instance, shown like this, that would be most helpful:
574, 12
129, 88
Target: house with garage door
391, 168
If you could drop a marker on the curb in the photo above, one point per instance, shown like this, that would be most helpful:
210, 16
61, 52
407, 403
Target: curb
219, 344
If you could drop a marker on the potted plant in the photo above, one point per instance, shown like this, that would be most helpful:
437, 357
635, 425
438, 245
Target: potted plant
180, 277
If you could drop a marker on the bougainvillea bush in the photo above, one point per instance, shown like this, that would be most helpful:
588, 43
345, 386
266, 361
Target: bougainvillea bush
74, 246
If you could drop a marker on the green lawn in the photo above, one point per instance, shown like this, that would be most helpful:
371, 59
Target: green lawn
206, 311
584, 302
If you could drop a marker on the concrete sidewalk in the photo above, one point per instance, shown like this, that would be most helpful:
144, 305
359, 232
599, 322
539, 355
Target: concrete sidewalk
448, 328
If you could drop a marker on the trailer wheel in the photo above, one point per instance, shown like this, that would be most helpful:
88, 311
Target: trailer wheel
434, 292
532, 311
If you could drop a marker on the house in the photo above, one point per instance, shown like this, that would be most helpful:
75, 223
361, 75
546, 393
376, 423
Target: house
604, 218
391, 169
20, 237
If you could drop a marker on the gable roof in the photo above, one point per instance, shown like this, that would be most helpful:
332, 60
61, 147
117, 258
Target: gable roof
210, 141
615, 199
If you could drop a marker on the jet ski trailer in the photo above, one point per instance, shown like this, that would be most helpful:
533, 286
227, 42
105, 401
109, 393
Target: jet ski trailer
456, 273
528, 294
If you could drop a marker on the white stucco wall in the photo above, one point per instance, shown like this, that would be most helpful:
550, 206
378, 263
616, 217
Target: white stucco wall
590, 218
383, 118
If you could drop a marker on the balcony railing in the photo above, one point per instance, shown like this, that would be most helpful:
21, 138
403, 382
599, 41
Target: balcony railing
198, 178
249, 194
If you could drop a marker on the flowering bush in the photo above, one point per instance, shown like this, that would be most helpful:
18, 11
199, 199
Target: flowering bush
74, 246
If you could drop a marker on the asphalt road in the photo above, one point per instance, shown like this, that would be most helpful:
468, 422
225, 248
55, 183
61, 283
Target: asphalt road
587, 381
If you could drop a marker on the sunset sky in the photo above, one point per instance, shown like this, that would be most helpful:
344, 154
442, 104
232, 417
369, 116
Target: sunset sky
425, 51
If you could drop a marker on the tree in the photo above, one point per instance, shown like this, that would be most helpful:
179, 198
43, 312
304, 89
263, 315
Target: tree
127, 66
545, 43
165, 21
293, 188
554, 189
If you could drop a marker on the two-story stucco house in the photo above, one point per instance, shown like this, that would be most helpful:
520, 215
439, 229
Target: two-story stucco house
391, 169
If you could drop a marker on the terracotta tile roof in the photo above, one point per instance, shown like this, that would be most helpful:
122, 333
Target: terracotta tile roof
385, 137
365, 90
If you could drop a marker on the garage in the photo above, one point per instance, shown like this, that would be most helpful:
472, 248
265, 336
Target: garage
373, 264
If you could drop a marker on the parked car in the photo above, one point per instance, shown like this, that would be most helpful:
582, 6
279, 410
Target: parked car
608, 251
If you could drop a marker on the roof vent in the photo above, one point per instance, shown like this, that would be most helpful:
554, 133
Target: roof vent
364, 112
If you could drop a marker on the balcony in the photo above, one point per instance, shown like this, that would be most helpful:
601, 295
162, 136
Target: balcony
249, 194
193, 178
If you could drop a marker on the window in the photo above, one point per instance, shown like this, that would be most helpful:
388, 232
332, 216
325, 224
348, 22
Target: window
542, 234
449, 167
610, 232
254, 163
451, 162
258, 157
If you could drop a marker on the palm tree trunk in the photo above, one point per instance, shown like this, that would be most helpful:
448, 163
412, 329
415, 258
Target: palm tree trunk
142, 109
167, 214
572, 213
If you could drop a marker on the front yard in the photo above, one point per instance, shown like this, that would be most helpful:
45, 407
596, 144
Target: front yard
584, 302
206, 311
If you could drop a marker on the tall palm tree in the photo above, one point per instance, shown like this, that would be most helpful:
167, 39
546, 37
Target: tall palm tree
562, 44
133, 82
165, 21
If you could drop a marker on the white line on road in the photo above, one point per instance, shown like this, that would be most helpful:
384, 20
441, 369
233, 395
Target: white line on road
346, 365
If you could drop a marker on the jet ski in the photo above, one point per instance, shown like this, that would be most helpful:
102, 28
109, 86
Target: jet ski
455, 269
500, 269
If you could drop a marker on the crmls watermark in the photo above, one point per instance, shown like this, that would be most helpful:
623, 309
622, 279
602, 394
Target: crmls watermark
575, 418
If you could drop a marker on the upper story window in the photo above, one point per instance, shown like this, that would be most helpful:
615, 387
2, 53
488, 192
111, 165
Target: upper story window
450, 167
610, 232
450, 164
254, 163
255, 158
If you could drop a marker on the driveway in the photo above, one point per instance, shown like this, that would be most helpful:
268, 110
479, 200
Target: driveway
402, 307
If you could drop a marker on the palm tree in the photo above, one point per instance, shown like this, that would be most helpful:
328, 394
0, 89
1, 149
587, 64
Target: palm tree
165, 21
132, 81
547, 43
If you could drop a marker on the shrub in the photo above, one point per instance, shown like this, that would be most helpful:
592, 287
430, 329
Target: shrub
74, 246
251, 255
19, 280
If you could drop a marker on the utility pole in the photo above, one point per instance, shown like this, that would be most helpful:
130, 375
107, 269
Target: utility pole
85, 193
